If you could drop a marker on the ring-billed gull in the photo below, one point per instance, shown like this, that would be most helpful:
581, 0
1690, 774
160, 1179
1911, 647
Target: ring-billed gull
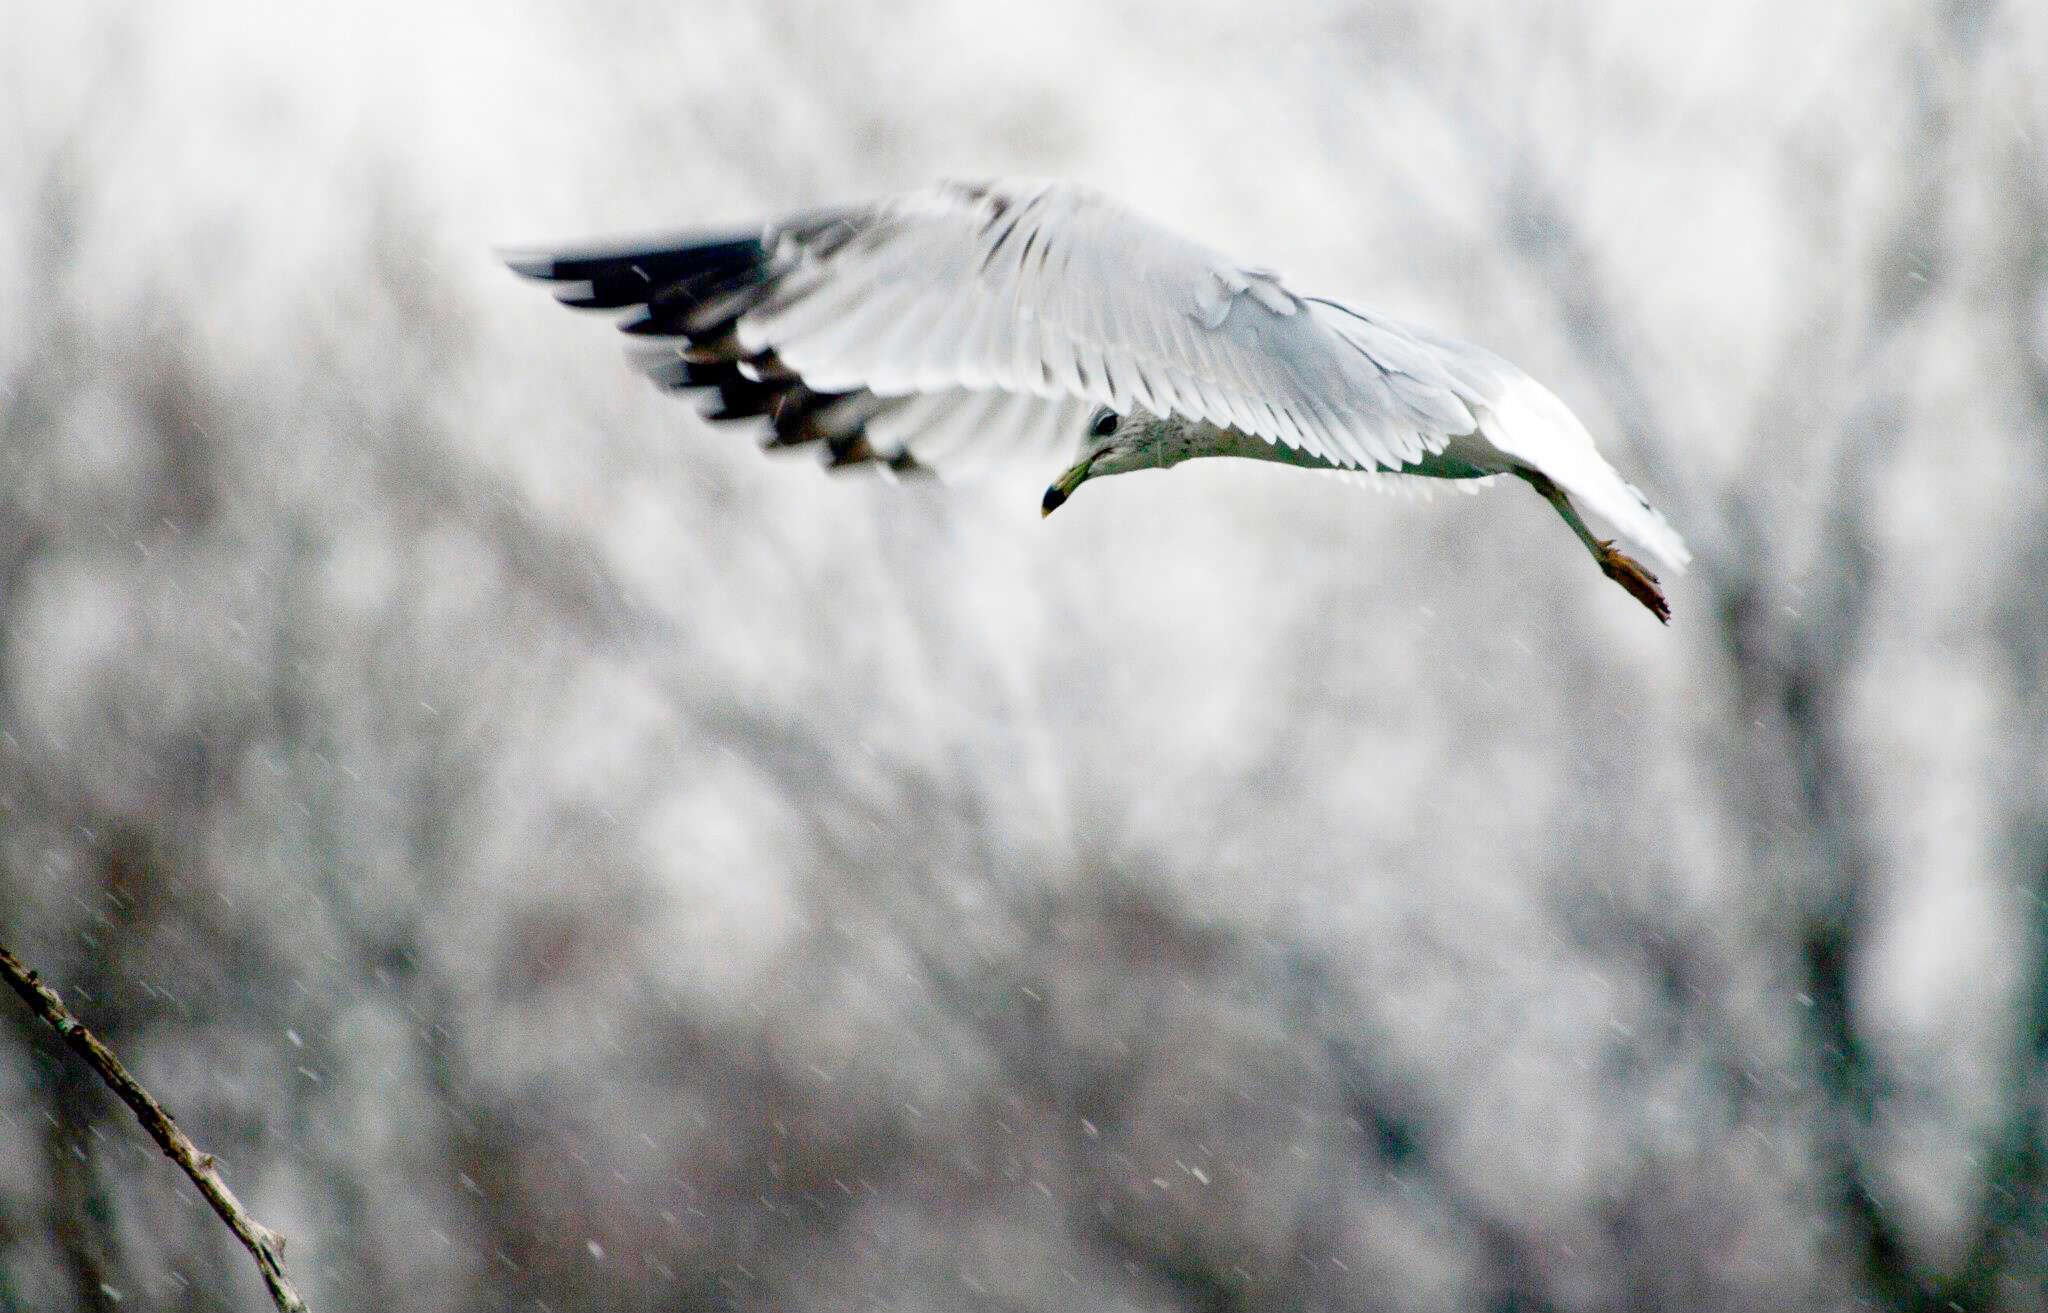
977, 322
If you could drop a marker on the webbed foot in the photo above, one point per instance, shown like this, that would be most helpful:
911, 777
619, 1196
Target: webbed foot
1632, 575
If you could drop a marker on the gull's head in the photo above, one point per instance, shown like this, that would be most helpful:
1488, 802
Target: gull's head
1118, 444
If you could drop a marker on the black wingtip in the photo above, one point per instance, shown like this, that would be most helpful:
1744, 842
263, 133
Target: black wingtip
527, 264
649, 325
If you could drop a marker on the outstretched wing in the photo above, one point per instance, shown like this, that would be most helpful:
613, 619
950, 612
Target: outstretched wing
983, 322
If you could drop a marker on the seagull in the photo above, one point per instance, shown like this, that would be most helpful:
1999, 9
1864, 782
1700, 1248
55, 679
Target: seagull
973, 324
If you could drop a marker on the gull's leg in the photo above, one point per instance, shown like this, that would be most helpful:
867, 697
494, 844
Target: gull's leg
1617, 565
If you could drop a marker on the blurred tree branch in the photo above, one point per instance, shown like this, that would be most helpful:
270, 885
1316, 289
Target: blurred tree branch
264, 1245
1794, 672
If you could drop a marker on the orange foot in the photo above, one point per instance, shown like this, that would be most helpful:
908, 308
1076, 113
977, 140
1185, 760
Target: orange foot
1630, 574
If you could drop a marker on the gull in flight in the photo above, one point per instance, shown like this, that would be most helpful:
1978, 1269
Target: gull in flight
977, 323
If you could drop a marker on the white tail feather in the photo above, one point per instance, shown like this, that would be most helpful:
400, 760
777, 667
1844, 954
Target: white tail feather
1529, 423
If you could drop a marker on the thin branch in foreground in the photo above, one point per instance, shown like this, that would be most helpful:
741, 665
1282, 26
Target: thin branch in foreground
264, 1244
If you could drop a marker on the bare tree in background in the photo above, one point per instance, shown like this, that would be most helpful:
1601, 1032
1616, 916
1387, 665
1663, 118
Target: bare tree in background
1791, 652
532, 916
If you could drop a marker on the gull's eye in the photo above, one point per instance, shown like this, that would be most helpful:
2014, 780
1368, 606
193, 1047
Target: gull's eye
1103, 424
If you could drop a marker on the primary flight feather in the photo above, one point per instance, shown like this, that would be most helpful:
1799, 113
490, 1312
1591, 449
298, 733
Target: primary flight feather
977, 323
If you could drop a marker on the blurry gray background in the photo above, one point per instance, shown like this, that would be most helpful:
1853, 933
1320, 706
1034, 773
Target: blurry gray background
557, 857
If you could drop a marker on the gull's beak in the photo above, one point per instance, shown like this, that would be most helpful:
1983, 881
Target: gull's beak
1063, 487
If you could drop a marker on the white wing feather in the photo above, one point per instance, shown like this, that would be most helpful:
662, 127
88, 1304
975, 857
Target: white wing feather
1053, 291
